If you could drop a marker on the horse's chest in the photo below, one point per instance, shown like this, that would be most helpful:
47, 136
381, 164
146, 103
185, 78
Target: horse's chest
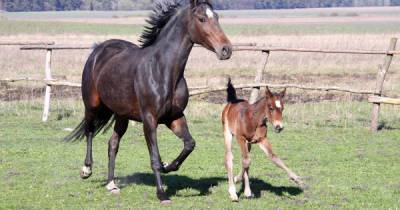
258, 134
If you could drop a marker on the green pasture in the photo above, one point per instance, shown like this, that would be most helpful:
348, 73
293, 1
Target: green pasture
47, 22
326, 143
10, 27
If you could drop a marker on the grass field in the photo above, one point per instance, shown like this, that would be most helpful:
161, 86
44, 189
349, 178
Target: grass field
342, 163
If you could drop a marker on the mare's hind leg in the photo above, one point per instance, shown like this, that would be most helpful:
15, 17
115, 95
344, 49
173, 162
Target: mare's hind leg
267, 148
181, 130
86, 170
113, 144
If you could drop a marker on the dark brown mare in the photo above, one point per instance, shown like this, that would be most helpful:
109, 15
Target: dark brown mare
122, 81
248, 122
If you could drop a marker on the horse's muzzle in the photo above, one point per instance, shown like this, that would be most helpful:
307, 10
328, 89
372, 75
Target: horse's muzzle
278, 128
225, 52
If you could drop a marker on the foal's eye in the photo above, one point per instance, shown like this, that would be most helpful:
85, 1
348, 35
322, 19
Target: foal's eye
203, 19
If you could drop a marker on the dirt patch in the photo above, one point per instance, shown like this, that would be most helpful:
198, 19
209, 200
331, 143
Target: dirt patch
16, 93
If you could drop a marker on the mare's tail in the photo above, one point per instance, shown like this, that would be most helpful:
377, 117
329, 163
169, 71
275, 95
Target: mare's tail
100, 119
231, 92
103, 121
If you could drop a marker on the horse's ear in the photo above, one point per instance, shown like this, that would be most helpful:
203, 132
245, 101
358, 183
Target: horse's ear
193, 3
283, 93
268, 93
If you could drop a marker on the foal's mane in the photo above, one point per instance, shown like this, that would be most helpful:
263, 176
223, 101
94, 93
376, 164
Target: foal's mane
163, 10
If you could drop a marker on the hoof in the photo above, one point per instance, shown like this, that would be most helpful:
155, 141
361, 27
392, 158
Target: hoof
113, 188
115, 192
165, 202
85, 172
300, 183
234, 198
166, 168
251, 196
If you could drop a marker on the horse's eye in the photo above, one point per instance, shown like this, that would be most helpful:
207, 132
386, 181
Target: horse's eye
203, 19
271, 109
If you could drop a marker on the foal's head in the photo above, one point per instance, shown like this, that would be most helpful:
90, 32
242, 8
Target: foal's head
274, 108
204, 29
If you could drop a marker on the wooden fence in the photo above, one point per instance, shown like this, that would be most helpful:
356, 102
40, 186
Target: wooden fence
375, 96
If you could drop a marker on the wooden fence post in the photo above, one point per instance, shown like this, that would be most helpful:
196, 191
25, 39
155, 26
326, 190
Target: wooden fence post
258, 79
382, 71
46, 105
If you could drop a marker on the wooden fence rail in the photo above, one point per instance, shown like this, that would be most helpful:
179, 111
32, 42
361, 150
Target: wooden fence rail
375, 98
4, 43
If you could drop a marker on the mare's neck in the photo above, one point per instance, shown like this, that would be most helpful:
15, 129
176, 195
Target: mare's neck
174, 45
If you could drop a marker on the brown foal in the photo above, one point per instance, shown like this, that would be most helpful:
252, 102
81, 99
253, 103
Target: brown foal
248, 122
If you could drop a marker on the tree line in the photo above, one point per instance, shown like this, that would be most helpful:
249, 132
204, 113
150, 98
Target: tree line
62, 5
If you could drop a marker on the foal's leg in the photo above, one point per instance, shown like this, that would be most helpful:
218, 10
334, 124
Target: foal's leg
150, 132
113, 144
239, 177
229, 164
181, 130
267, 148
245, 166
86, 170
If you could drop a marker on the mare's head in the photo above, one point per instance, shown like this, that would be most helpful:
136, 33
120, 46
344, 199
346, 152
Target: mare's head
204, 29
274, 108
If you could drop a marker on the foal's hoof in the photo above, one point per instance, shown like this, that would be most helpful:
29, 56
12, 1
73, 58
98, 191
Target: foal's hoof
300, 183
113, 188
165, 202
85, 172
234, 198
251, 196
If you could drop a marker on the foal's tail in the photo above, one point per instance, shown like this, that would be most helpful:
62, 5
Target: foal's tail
231, 92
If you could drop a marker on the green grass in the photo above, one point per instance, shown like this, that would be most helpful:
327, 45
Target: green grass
327, 143
8, 28
313, 29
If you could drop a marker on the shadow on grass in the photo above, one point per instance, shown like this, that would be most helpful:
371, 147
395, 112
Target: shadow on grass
384, 126
175, 183
258, 186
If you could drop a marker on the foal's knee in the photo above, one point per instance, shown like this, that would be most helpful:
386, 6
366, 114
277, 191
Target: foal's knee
246, 162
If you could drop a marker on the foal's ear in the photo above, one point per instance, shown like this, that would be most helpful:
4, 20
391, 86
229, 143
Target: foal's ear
268, 93
283, 93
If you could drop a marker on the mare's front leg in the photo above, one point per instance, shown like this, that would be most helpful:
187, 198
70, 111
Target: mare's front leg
267, 148
181, 130
113, 144
150, 131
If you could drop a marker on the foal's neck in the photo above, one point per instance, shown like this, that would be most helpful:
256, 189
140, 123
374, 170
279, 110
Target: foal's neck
259, 109
175, 45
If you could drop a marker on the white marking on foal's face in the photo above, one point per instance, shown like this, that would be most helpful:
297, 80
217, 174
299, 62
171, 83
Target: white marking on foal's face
278, 104
210, 14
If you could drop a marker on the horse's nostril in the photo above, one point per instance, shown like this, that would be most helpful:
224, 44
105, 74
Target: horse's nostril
224, 51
